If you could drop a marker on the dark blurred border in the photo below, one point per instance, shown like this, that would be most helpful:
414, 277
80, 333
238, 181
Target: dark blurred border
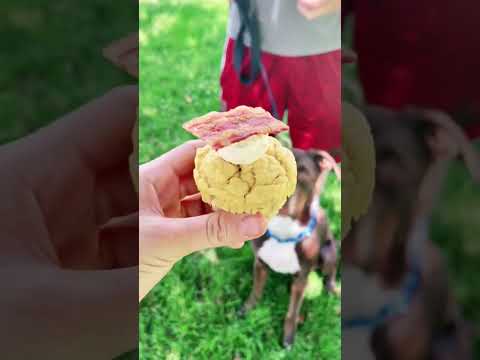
52, 63
52, 59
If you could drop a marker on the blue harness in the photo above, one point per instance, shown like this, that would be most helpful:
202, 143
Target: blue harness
307, 232
389, 310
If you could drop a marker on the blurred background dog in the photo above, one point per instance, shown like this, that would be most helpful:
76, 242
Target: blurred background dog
398, 303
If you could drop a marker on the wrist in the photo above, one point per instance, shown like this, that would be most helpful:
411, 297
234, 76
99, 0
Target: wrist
151, 275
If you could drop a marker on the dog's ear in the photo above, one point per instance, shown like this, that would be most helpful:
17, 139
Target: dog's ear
325, 161
447, 140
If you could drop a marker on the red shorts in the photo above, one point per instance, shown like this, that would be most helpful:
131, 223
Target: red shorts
422, 62
307, 87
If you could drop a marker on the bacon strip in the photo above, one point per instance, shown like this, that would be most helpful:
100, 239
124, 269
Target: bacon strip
220, 129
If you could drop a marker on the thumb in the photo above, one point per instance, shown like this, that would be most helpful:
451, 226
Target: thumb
213, 230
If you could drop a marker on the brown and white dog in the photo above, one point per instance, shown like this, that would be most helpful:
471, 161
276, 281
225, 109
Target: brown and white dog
396, 301
298, 239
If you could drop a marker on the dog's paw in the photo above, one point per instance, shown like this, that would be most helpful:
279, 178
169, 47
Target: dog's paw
337, 291
334, 289
243, 311
288, 342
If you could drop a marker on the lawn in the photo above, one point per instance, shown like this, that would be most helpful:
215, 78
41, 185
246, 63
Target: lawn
191, 314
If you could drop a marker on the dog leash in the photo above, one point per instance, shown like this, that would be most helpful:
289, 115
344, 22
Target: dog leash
249, 23
389, 310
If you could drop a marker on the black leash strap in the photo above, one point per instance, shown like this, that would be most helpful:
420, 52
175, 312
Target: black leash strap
249, 23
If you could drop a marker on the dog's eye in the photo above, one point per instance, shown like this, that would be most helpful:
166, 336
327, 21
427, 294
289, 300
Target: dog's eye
301, 168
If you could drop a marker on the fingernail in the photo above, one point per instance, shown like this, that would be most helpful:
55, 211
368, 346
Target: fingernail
252, 226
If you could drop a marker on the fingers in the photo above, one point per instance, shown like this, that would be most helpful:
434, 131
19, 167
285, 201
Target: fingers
94, 138
213, 230
119, 241
97, 311
101, 130
165, 180
115, 195
188, 186
181, 160
164, 241
194, 197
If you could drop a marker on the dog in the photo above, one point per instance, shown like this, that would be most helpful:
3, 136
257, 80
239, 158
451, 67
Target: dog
397, 303
298, 240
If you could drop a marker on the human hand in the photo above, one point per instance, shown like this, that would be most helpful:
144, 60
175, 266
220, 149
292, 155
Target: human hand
66, 268
171, 229
312, 9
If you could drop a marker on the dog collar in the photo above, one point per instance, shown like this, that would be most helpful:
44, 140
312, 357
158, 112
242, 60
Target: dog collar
389, 310
305, 233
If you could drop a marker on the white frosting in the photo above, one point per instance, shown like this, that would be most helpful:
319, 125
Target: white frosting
281, 257
246, 151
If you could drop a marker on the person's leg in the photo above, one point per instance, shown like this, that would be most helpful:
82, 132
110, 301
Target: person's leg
234, 93
314, 104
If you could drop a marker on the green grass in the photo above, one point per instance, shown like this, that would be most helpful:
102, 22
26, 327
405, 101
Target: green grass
51, 57
191, 314
456, 229
181, 48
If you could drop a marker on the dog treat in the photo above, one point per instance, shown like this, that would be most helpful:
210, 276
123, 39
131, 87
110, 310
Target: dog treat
358, 166
252, 174
246, 151
220, 129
